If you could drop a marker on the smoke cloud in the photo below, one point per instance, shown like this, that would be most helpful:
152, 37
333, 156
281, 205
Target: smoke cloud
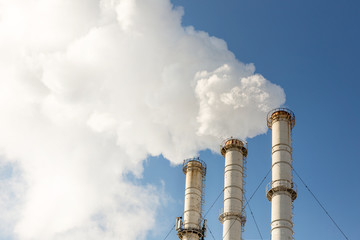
88, 90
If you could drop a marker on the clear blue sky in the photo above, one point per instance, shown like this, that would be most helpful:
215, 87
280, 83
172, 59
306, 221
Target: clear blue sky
311, 49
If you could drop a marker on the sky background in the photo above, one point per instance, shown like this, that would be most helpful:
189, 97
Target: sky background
100, 101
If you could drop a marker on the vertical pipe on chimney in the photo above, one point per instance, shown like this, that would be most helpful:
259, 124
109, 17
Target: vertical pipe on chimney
233, 218
281, 190
189, 228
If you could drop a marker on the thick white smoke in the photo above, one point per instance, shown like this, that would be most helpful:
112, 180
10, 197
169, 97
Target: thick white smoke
88, 90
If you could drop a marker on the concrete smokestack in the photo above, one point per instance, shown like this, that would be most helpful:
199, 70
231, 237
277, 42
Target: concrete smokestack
281, 190
193, 227
233, 218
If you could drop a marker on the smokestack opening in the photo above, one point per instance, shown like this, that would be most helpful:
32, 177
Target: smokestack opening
234, 143
281, 114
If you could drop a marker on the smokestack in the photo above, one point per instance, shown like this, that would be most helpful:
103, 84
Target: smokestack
190, 227
233, 218
281, 191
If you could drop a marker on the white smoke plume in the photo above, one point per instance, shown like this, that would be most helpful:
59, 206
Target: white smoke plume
88, 90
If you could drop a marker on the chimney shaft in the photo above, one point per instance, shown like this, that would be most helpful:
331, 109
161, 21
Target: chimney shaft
233, 217
191, 227
281, 190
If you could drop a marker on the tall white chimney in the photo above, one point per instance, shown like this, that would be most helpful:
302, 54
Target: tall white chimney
281, 190
192, 226
233, 218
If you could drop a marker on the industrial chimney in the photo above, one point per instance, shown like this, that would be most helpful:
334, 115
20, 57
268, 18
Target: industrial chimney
192, 226
281, 190
233, 218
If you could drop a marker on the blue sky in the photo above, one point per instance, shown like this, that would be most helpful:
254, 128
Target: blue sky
311, 49
100, 101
